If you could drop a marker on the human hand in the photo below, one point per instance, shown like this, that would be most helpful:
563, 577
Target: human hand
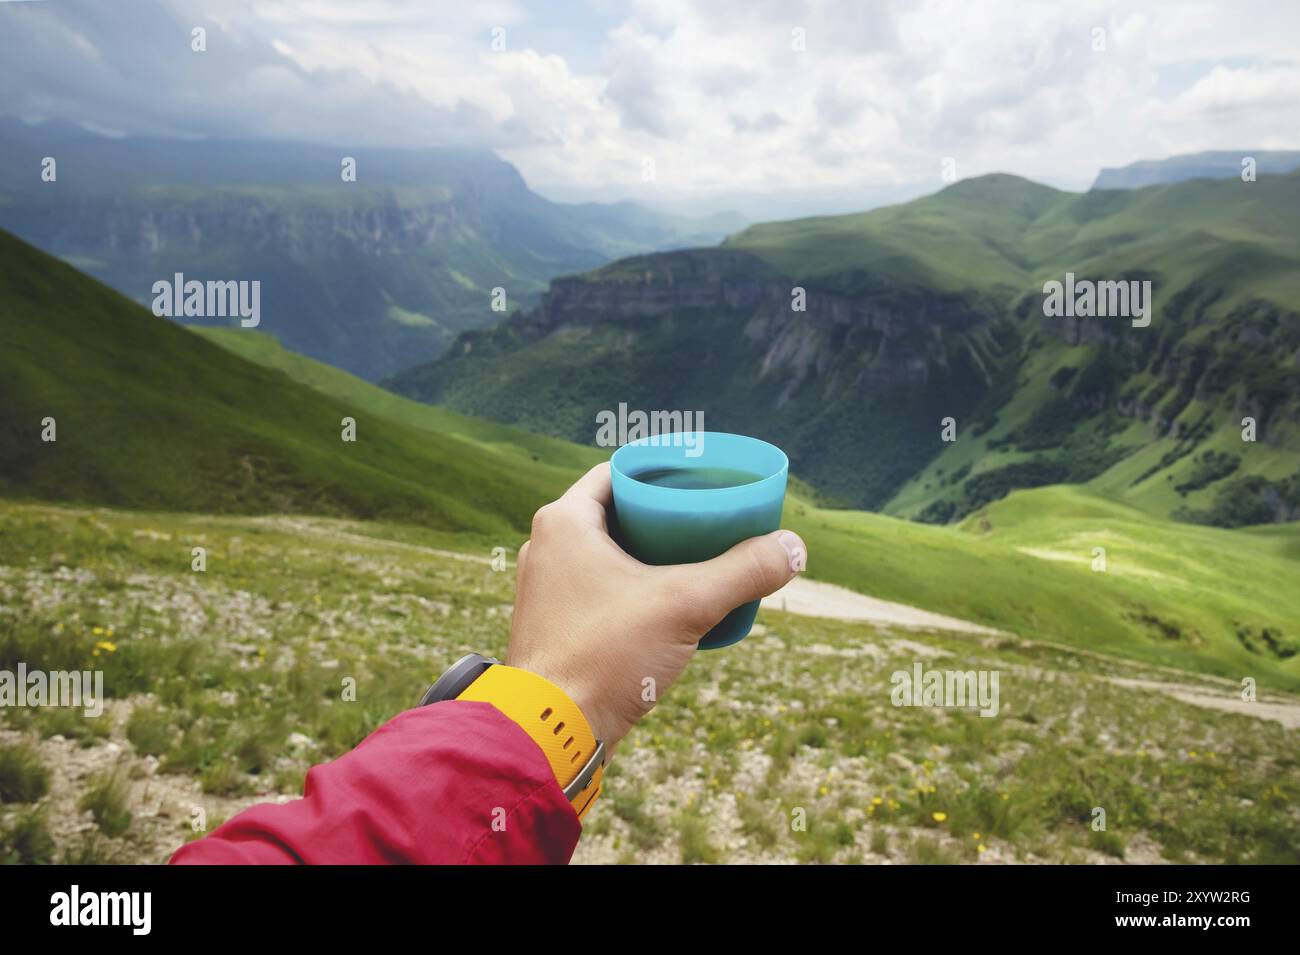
598, 623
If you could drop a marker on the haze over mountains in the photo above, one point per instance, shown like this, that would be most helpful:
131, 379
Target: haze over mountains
1223, 164
372, 275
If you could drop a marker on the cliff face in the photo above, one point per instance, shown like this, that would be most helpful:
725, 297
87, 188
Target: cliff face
718, 331
891, 338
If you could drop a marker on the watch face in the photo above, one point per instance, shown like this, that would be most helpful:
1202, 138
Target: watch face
457, 678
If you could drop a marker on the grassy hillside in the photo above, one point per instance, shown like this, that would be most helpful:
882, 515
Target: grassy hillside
149, 414
1201, 598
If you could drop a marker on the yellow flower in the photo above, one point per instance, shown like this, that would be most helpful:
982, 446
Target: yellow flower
105, 646
1191, 753
108, 632
938, 816
1005, 796
822, 791
870, 810
983, 847
877, 801
975, 835
97, 631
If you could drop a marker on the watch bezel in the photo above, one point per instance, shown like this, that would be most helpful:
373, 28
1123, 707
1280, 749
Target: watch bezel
457, 678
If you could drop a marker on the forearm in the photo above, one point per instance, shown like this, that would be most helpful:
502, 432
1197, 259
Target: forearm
449, 783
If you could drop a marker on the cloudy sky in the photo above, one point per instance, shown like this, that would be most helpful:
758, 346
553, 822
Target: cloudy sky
770, 107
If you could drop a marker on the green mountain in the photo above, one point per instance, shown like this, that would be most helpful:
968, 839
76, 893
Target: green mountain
148, 414
934, 309
372, 275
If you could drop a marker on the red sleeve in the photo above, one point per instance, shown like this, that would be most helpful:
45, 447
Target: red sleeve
453, 782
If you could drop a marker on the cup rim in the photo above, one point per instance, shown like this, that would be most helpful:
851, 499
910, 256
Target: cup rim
783, 470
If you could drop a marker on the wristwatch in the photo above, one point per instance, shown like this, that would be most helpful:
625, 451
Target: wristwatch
542, 710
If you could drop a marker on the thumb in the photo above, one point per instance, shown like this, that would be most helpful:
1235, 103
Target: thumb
752, 569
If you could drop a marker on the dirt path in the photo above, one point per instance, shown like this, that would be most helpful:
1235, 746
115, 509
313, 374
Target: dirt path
1285, 712
812, 598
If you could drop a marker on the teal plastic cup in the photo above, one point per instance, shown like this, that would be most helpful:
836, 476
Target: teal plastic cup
685, 525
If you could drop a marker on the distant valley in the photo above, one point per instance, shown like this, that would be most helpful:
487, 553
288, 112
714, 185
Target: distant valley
372, 275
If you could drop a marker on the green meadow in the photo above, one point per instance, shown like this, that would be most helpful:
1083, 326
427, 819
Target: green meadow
226, 685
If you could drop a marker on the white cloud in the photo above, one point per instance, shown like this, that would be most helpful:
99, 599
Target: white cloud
716, 93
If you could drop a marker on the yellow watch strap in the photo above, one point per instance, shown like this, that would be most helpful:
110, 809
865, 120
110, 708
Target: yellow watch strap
550, 717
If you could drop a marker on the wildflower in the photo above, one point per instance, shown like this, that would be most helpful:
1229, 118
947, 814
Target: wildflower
822, 791
975, 836
98, 631
938, 816
983, 847
105, 646
1191, 753
876, 801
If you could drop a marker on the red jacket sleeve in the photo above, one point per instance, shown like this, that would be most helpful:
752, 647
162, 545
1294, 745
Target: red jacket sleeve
453, 782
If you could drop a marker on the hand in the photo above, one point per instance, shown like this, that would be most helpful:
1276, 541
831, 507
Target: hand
599, 623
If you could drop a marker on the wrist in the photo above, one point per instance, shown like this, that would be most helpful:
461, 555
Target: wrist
553, 719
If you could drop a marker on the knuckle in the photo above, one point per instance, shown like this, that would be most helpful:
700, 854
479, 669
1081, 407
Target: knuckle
544, 518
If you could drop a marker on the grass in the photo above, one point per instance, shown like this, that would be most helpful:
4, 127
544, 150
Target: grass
232, 679
105, 798
23, 776
245, 438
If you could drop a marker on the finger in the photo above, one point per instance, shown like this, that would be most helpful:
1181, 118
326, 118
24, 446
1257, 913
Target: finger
591, 494
752, 569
